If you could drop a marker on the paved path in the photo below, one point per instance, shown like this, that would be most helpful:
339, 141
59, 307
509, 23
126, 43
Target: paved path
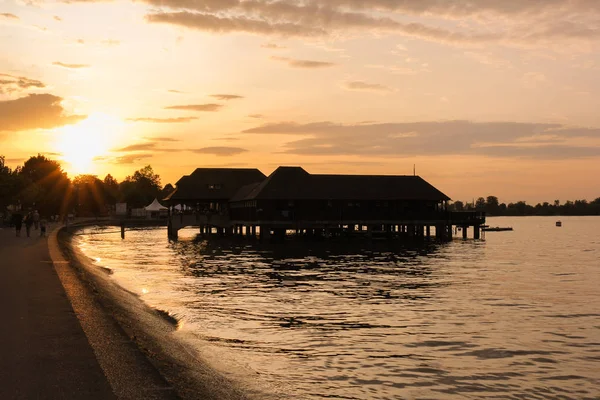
44, 351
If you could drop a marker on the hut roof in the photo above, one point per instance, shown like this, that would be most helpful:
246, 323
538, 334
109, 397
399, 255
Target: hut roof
295, 183
214, 183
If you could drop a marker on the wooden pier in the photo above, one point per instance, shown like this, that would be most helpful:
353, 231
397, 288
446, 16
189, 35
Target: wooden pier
293, 202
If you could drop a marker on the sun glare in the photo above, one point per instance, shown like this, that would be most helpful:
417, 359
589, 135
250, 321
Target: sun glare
81, 144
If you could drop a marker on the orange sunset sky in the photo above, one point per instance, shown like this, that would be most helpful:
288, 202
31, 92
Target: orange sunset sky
485, 97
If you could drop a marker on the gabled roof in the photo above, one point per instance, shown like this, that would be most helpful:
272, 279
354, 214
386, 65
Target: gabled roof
295, 183
214, 183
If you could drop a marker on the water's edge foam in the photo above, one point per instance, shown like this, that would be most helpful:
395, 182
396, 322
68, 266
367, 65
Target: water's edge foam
152, 331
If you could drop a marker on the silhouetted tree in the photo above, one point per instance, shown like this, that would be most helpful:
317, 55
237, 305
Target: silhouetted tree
45, 185
167, 190
10, 184
492, 206
480, 204
111, 190
141, 188
458, 206
89, 195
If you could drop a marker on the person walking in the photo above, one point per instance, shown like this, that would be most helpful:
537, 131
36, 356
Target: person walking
28, 223
36, 219
17, 220
43, 224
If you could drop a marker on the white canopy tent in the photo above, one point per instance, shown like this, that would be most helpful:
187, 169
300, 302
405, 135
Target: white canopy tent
155, 206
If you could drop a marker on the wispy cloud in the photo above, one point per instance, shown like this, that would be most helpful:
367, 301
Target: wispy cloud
273, 46
70, 66
162, 139
9, 16
516, 23
11, 83
226, 97
176, 120
309, 64
220, 151
366, 87
494, 139
196, 107
131, 158
146, 146
218, 24
35, 111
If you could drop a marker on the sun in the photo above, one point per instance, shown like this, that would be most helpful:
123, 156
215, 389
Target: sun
83, 143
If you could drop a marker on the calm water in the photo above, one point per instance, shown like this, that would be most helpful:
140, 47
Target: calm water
514, 316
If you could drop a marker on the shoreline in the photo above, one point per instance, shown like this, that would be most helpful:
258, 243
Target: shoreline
149, 331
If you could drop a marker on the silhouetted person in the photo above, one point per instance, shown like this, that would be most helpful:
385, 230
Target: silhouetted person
43, 224
28, 223
17, 220
36, 219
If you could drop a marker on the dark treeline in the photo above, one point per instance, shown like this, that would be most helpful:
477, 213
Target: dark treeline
41, 184
492, 206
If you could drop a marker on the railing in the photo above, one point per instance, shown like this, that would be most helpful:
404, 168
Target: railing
477, 217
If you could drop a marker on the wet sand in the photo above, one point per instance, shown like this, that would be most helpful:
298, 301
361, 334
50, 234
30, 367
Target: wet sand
145, 333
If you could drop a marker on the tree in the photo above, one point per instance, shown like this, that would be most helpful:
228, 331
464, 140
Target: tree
111, 190
167, 190
89, 195
458, 206
480, 204
141, 188
10, 184
492, 206
52, 195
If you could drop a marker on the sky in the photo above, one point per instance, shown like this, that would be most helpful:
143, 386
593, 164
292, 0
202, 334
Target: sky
481, 97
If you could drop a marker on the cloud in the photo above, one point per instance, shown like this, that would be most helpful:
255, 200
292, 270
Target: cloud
136, 147
256, 116
162, 139
175, 91
292, 62
9, 16
225, 97
273, 46
220, 151
11, 83
57, 18
146, 146
364, 86
70, 66
131, 158
467, 23
35, 111
197, 107
459, 22
497, 139
176, 120
217, 24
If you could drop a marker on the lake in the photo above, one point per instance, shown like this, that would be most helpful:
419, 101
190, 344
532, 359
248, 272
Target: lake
516, 315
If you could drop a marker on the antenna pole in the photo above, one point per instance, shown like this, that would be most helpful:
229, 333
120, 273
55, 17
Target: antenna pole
414, 169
